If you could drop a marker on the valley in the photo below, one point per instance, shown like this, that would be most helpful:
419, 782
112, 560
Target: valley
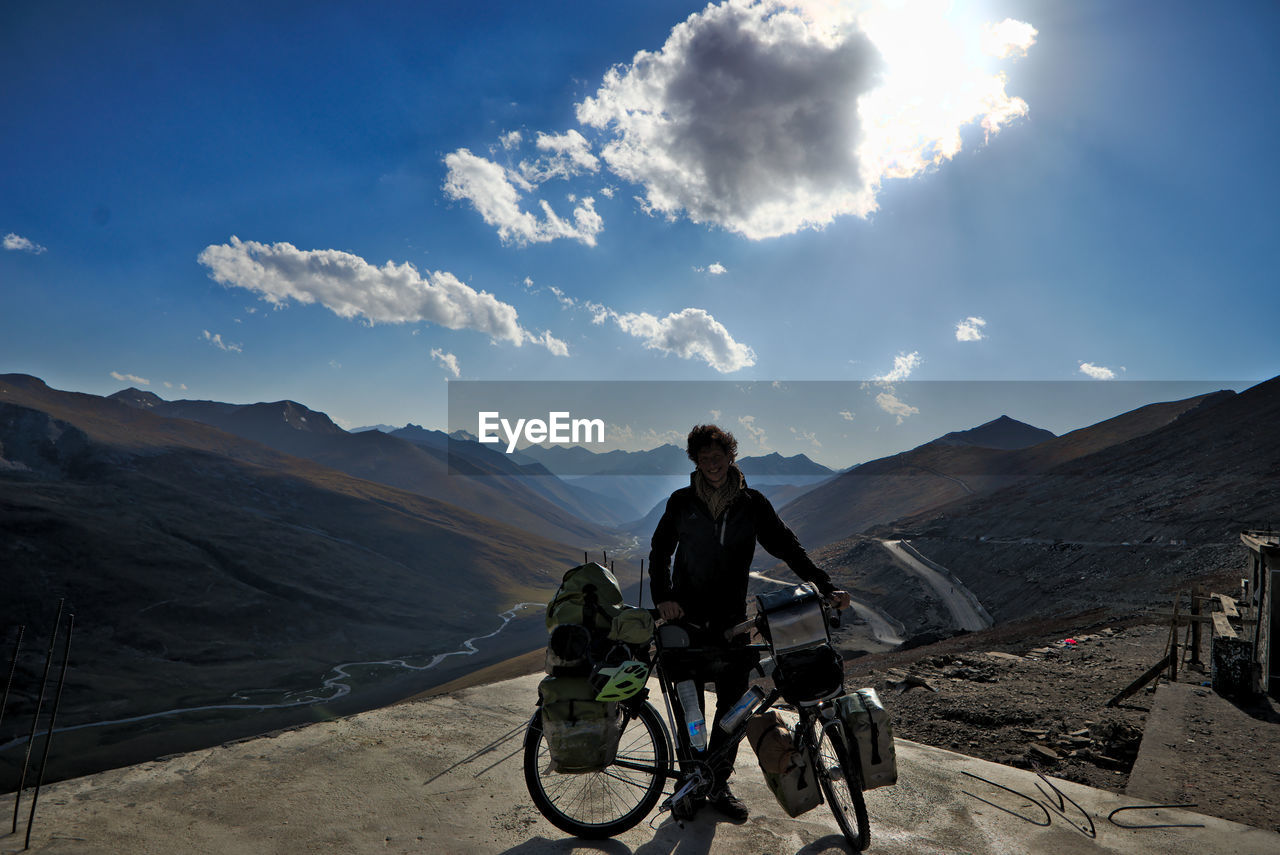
225, 565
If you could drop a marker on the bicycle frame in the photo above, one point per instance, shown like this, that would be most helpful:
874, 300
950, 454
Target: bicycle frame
688, 762
692, 765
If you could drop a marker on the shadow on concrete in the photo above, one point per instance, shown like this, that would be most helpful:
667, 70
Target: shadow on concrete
568, 845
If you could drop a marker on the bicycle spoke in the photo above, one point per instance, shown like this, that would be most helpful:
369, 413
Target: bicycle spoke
841, 782
607, 801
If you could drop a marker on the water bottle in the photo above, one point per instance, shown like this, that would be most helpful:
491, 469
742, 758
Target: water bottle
745, 706
694, 721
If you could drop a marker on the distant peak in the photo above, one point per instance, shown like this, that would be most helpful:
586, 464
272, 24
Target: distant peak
137, 398
1001, 433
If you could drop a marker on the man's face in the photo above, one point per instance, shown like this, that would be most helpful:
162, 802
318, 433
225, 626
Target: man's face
713, 463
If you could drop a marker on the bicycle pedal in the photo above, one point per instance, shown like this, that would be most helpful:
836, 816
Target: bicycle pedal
686, 809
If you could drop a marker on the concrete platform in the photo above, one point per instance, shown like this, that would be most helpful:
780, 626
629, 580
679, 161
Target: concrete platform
443, 776
1201, 748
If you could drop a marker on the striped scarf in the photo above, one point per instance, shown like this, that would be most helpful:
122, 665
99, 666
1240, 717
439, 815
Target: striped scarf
717, 500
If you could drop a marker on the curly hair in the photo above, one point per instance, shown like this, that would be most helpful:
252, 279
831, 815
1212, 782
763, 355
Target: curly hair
703, 436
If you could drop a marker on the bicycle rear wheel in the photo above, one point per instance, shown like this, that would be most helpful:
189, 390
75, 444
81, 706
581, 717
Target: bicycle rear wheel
608, 802
840, 776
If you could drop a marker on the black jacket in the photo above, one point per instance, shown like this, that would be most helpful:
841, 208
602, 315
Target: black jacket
713, 557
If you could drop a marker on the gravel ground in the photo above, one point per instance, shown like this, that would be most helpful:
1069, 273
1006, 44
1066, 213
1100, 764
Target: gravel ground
1022, 695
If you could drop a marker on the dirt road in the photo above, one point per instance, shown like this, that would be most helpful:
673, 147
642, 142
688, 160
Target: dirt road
961, 602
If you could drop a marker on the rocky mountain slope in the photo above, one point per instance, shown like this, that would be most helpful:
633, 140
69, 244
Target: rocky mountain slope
1117, 528
200, 563
497, 487
944, 471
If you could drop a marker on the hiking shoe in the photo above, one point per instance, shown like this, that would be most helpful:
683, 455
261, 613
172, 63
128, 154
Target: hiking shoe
728, 804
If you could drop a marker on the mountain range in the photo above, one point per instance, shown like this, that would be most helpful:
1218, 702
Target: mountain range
411, 459
1108, 519
208, 545
200, 561
967, 463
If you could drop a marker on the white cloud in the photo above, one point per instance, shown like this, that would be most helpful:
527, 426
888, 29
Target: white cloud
494, 191
903, 365
806, 435
566, 302
846, 415
689, 334
511, 139
448, 360
889, 402
215, 339
19, 243
606, 192
550, 342
970, 329
599, 313
1097, 372
765, 120
715, 268
747, 118
335, 364
757, 435
1008, 38
567, 155
350, 287
132, 378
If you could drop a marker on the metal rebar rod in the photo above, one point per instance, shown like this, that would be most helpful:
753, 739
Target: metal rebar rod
13, 667
35, 719
53, 716
1112, 817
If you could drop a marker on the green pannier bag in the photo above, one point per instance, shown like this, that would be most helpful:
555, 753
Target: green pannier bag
632, 626
866, 723
788, 773
589, 596
582, 733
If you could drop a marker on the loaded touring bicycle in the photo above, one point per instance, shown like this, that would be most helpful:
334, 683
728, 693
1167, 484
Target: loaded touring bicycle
598, 754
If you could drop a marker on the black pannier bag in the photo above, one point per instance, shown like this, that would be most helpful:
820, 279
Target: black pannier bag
811, 675
807, 668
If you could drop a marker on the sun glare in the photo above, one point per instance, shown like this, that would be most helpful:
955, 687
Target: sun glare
941, 71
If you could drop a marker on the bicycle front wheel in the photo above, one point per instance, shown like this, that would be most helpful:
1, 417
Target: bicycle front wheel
840, 776
608, 802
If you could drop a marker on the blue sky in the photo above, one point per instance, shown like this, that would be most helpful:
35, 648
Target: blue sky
350, 206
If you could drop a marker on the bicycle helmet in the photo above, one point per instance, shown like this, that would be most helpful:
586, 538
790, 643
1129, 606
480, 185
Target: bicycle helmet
617, 683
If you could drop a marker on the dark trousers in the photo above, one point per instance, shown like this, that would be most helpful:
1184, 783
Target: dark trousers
731, 675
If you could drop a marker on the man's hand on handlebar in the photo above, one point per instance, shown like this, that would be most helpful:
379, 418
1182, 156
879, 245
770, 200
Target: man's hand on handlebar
671, 610
839, 600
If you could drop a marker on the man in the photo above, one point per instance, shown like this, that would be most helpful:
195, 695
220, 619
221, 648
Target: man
712, 527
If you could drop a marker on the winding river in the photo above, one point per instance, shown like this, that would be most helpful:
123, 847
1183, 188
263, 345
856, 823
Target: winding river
337, 684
